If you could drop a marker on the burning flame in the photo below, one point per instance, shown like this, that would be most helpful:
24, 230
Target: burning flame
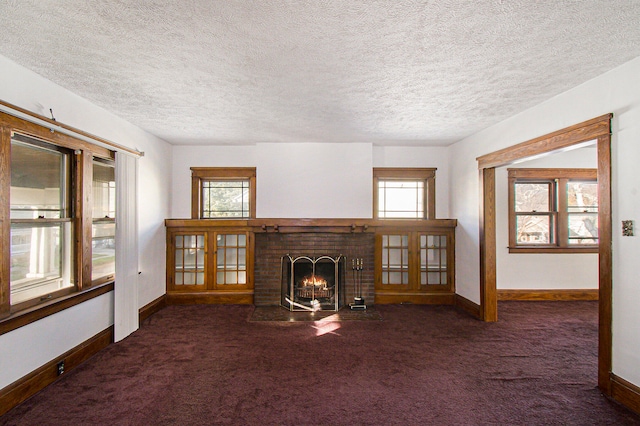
314, 280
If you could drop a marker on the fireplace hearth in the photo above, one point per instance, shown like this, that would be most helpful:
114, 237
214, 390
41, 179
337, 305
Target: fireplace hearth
312, 283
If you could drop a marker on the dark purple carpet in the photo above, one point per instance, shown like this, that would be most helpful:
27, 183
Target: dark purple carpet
420, 365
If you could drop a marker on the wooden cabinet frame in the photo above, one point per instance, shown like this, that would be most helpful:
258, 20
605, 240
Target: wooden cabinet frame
210, 291
414, 291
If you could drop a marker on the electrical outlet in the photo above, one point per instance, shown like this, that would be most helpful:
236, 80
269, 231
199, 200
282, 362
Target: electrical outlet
627, 228
61, 368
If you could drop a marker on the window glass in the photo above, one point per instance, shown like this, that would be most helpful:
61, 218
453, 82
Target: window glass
103, 238
533, 229
231, 257
400, 199
39, 179
582, 206
41, 226
532, 197
104, 191
225, 199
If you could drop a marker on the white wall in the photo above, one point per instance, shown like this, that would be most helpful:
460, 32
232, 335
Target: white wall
542, 271
27, 348
309, 180
23, 88
617, 91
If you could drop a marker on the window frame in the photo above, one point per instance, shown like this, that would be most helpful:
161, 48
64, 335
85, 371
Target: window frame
82, 154
424, 174
204, 174
102, 220
67, 215
558, 178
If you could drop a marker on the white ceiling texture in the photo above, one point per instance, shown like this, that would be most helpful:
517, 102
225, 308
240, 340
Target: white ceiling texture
387, 72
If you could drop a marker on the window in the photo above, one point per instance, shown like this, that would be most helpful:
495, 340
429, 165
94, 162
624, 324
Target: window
223, 193
41, 220
58, 201
103, 235
407, 193
553, 210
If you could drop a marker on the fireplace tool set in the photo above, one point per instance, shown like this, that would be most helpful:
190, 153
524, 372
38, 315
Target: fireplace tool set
357, 265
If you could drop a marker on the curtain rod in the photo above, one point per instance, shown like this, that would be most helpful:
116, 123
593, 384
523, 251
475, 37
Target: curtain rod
55, 125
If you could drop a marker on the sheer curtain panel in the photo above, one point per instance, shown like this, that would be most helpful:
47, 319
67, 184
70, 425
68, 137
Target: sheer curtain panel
126, 285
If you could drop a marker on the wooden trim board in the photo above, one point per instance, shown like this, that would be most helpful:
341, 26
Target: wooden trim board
625, 393
468, 306
548, 295
151, 308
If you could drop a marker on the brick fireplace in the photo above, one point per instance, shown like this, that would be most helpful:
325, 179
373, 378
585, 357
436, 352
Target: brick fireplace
272, 246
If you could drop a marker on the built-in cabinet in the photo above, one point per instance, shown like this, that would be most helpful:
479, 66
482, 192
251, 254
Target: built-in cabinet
209, 265
414, 266
212, 261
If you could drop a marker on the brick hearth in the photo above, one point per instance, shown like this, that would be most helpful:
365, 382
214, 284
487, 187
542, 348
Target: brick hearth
270, 247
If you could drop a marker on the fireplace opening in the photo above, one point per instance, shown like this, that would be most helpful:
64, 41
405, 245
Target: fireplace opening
312, 283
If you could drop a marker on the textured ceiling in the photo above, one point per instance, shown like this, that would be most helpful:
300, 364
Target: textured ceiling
387, 72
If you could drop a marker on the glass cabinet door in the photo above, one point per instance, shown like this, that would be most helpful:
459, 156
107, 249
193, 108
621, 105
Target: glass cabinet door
231, 260
395, 262
190, 265
433, 260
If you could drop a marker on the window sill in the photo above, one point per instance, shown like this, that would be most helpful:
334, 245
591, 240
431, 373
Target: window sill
35, 313
557, 250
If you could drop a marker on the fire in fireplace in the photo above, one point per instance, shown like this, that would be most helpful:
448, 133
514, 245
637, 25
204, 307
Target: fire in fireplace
312, 283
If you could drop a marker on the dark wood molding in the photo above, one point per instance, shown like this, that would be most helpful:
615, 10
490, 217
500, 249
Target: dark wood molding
284, 225
5, 224
488, 275
27, 316
546, 249
598, 128
582, 132
408, 173
626, 393
468, 306
38, 379
211, 298
416, 298
199, 174
55, 123
151, 308
605, 266
37, 131
548, 295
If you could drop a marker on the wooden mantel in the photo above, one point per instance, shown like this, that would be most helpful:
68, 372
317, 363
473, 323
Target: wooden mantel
315, 225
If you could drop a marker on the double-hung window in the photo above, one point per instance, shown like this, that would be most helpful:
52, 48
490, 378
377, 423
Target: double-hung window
223, 192
404, 193
553, 210
41, 220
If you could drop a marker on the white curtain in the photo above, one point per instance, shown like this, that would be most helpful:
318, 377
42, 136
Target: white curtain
126, 285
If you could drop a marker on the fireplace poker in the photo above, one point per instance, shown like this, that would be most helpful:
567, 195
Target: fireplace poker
357, 265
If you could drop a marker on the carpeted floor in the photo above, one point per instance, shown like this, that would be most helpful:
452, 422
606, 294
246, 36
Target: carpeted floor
419, 365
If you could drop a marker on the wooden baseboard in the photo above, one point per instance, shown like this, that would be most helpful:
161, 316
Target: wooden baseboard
625, 393
387, 298
211, 298
548, 295
468, 306
37, 380
151, 308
